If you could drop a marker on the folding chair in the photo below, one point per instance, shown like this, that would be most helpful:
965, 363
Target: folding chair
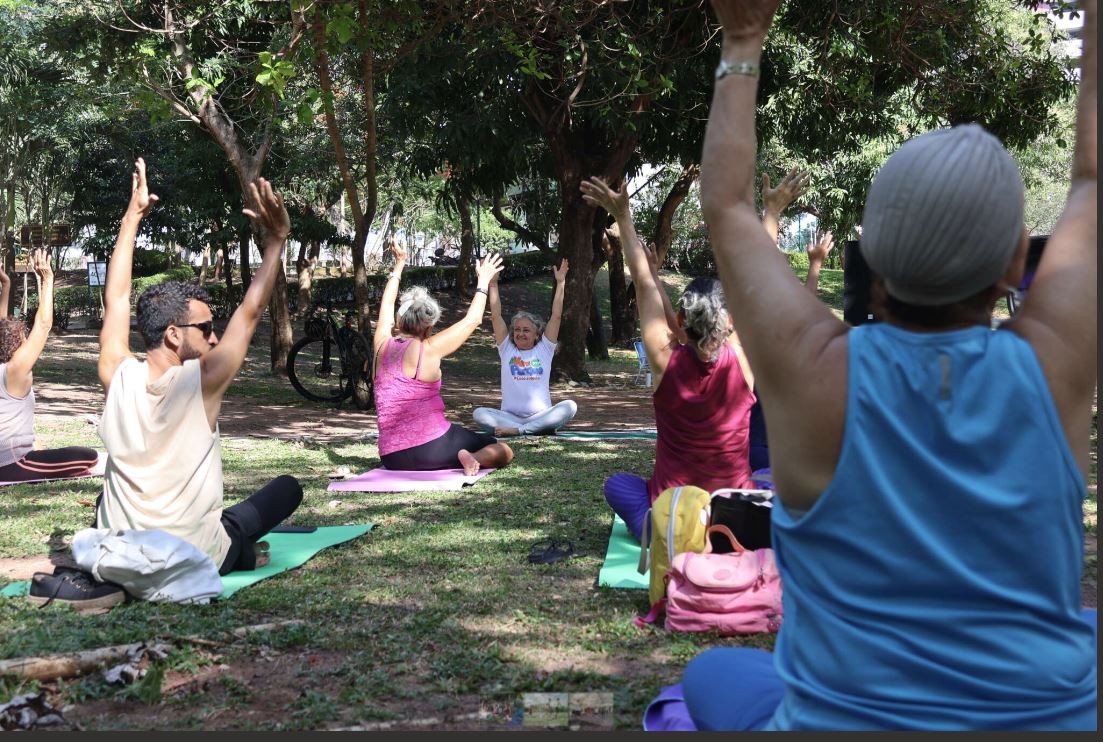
644, 369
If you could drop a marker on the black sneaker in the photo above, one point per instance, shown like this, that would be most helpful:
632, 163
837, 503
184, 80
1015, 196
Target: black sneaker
76, 588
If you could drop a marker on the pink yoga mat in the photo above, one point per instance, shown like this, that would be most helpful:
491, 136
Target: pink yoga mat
96, 471
389, 480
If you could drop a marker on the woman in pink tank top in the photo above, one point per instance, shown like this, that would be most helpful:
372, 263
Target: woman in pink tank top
703, 384
413, 432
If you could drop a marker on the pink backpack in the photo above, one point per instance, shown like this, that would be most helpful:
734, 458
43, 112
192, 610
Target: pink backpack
736, 593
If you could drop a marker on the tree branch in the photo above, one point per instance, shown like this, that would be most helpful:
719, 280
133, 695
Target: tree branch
521, 231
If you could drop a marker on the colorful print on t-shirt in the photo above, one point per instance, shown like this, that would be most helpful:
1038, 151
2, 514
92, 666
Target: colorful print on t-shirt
523, 370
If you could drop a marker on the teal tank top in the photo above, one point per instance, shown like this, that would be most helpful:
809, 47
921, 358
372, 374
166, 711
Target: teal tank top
935, 584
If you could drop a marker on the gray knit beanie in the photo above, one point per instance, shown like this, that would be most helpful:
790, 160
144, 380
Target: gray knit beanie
943, 216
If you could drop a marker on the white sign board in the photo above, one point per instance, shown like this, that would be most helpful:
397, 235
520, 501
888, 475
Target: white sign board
97, 274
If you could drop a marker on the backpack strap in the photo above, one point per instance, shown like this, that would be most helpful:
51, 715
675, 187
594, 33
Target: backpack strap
671, 522
652, 615
645, 544
724, 530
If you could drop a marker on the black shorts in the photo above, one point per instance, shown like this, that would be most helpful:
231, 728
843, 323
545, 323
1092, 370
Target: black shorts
439, 453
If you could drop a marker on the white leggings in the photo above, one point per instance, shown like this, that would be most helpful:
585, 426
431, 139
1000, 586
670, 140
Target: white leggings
547, 421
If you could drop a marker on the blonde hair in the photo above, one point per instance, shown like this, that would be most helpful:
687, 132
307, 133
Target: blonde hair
418, 311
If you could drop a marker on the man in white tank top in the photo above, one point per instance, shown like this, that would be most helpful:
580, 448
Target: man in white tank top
160, 421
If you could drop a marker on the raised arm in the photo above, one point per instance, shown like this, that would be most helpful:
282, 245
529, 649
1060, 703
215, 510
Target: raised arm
115, 333
1058, 317
551, 330
776, 200
272, 224
816, 257
787, 333
18, 373
390, 295
657, 337
5, 289
501, 329
449, 340
668, 308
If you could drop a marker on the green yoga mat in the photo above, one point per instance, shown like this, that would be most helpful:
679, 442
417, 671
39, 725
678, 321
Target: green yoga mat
622, 560
288, 551
587, 435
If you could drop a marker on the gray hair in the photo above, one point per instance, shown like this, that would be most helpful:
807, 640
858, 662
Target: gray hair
706, 315
417, 311
536, 321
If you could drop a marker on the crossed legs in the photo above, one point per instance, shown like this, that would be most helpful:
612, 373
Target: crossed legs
500, 422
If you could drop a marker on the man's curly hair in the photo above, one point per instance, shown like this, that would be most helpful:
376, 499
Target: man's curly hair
11, 337
166, 304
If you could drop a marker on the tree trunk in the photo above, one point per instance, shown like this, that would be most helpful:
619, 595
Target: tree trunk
622, 316
664, 225
576, 245
596, 344
467, 247
280, 314
243, 239
9, 224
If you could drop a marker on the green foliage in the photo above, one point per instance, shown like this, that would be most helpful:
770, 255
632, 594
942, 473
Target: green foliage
138, 285
798, 261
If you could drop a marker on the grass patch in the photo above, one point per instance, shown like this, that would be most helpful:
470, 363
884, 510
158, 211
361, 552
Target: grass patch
435, 611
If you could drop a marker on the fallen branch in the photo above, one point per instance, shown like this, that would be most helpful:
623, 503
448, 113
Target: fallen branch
66, 665
71, 664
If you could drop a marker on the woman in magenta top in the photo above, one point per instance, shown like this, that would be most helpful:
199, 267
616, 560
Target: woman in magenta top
413, 432
703, 384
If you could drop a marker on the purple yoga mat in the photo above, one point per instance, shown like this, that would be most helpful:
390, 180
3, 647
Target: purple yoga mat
389, 480
95, 471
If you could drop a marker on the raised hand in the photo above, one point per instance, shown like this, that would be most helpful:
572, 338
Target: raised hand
560, 273
745, 19
40, 262
269, 217
488, 269
596, 192
791, 187
398, 251
822, 248
141, 200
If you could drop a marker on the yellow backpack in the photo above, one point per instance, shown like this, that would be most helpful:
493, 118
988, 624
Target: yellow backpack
677, 522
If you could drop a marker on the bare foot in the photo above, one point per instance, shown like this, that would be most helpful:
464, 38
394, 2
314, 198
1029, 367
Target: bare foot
260, 551
505, 432
469, 462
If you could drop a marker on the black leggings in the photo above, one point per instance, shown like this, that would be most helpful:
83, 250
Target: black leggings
55, 463
248, 521
439, 453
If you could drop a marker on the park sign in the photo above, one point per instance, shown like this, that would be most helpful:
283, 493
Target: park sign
61, 235
30, 235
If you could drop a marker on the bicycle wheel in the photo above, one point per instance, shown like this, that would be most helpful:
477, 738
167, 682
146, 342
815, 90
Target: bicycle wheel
358, 354
317, 370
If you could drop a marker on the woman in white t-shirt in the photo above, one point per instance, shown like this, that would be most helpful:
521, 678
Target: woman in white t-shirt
526, 347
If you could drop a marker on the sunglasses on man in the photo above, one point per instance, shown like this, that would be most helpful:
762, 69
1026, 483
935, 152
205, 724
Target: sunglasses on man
204, 327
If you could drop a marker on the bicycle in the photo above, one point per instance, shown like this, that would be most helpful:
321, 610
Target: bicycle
331, 361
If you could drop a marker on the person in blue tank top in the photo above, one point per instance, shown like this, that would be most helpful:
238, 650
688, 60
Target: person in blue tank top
929, 532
